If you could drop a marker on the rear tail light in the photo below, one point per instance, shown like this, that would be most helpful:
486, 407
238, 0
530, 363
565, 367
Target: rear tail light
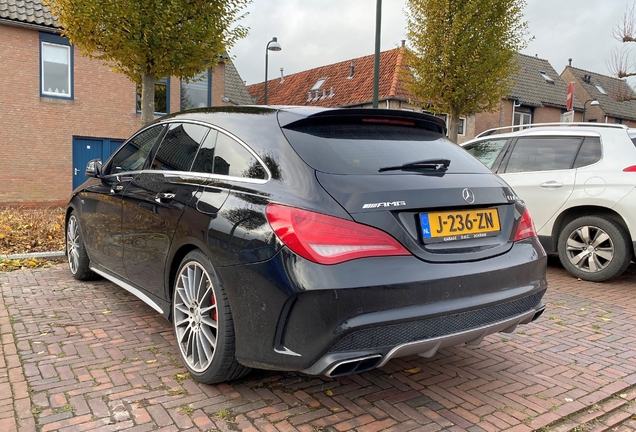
525, 228
329, 240
630, 169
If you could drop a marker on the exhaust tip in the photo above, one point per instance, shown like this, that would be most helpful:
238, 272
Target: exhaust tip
538, 313
357, 365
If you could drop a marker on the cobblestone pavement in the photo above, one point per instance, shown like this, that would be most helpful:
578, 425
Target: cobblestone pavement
89, 356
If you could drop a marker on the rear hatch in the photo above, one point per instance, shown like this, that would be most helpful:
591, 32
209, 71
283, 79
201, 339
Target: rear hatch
396, 171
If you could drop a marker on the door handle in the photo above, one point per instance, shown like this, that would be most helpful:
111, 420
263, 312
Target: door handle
551, 184
164, 197
75, 171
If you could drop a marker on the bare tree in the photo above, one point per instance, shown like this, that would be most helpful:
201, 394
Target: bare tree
620, 64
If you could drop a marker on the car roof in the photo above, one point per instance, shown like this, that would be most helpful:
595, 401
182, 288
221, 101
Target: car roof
542, 128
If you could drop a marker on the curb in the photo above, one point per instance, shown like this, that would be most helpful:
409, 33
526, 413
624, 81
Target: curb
55, 254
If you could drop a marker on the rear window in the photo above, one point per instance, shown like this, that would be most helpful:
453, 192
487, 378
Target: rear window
364, 148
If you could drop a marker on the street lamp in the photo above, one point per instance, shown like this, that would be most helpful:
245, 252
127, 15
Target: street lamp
594, 102
272, 45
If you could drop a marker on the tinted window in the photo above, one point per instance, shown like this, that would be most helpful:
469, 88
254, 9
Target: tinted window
225, 156
590, 152
486, 151
133, 155
179, 146
204, 161
364, 148
543, 154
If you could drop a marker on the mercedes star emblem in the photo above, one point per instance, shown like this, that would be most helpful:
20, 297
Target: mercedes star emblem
468, 196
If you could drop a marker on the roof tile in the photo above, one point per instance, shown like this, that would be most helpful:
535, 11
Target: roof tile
530, 88
614, 88
347, 90
27, 11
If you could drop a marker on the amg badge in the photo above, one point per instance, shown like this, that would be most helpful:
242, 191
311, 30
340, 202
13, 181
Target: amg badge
384, 204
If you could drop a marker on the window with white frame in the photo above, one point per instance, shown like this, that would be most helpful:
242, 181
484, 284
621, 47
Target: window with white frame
522, 119
461, 124
56, 66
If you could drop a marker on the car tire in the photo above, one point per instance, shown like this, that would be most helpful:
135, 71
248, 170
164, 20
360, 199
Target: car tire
202, 322
78, 261
594, 248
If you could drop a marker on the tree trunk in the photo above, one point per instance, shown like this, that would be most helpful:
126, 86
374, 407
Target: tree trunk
453, 126
147, 98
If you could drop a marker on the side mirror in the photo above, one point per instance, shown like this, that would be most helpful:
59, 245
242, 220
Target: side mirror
94, 168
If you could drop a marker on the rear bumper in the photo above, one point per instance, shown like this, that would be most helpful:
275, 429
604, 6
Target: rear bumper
343, 363
290, 314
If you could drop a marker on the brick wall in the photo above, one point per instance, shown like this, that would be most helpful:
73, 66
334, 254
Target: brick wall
36, 162
37, 132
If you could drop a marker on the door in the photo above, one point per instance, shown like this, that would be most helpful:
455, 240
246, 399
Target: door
86, 149
539, 170
102, 201
153, 204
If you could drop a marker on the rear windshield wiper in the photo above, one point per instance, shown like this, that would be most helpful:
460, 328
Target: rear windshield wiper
432, 164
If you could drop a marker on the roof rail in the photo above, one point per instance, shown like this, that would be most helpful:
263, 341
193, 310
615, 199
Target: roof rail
516, 128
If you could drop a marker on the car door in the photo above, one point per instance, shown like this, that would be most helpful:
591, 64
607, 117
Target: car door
154, 202
102, 201
539, 170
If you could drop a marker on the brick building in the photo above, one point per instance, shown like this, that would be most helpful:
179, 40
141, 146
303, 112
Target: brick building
538, 95
345, 84
615, 97
59, 108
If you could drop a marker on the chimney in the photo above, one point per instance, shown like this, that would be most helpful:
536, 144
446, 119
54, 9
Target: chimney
309, 96
282, 76
403, 43
324, 94
351, 69
317, 95
331, 93
570, 62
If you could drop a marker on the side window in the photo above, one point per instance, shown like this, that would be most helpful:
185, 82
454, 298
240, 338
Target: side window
590, 152
486, 151
225, 156
204, 162
179, 146
543, 154
133, 154
56, 67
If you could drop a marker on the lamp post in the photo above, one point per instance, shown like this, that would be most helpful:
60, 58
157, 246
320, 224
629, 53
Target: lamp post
272, 45
376, 65
594, 102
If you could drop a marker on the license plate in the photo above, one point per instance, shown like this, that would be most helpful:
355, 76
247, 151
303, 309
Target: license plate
459, 225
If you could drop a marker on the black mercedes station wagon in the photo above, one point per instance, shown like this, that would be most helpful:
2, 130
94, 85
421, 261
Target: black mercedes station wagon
326, 241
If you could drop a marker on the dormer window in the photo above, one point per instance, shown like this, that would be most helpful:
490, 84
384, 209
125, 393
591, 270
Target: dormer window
318, 84
601, 89
546, 77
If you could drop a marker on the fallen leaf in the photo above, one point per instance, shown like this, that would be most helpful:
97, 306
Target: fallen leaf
37, 342
623, 395
569, 400
582, 309
41, 352
606, 319
106, 312
43, 334
329, 393
151, 361
412, 371
335, 409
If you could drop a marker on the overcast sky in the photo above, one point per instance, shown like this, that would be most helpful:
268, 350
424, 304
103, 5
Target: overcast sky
320, 32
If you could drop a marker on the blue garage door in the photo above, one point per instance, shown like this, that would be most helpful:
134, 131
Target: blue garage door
85, 149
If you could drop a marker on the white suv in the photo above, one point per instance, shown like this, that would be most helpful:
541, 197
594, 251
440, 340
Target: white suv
579, 183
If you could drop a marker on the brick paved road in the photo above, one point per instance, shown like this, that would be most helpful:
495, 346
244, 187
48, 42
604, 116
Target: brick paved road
89, 356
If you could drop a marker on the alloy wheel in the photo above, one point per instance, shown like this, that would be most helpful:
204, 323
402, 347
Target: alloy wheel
72, 244
590, 249
195, 316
